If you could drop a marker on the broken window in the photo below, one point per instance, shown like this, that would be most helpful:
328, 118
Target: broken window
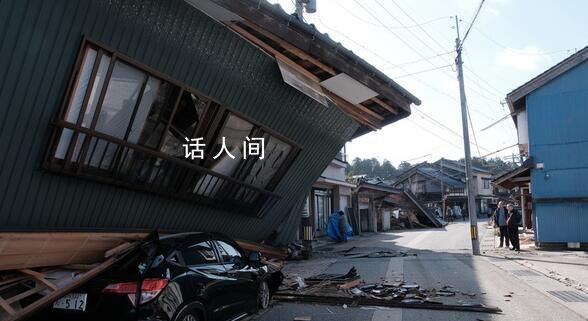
125, 124
228, 253
264, 169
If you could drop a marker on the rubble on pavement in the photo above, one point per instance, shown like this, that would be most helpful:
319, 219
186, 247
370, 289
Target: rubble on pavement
349, 289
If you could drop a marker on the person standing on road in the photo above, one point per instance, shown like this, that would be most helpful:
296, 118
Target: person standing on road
500, 221
457, 211
513, 221
343, 225
449, 213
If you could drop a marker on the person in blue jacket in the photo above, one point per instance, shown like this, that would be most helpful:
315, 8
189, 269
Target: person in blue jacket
338, 228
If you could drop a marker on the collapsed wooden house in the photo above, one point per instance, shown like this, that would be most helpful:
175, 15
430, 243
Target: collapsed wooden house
98, 99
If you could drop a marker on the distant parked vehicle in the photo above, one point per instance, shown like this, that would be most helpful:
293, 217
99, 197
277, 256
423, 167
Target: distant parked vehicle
180, 277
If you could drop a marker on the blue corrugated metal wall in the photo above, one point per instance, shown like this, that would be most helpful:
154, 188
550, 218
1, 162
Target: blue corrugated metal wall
39, 41
558, 137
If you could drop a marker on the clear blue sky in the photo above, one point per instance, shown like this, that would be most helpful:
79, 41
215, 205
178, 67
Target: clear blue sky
511, 42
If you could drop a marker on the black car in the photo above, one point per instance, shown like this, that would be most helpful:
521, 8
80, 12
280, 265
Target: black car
184, 277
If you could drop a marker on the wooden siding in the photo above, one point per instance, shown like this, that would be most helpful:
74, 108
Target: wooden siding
39, 42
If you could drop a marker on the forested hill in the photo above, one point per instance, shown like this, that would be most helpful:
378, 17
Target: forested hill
371, 167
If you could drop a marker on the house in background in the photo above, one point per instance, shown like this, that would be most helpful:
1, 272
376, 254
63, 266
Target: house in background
484, 191
375, 204
550, 112
98, 98
442, 184
331, 192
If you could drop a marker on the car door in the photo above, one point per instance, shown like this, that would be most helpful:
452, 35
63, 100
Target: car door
244, 278
210, 282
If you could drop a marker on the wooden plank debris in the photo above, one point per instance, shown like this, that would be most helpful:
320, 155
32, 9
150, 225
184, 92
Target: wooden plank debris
26, 250
264, 249
369, 301
338, 289
117, 250
384, 105
40, 277
20, 285
291, 48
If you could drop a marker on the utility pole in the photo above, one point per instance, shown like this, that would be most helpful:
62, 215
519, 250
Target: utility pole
466, 143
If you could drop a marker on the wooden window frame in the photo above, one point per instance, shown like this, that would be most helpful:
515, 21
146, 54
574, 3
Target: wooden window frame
210, 127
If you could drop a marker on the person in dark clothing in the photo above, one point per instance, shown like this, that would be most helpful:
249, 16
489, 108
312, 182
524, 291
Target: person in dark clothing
500, 216
343, 225
513, 221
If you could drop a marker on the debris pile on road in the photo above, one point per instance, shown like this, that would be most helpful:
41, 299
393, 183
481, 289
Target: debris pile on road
342, 281
350, 290
356, 253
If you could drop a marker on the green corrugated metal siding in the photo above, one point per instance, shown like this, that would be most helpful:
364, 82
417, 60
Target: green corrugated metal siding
39, 42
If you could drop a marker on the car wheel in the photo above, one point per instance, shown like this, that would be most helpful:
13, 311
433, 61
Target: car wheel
263, 295
189, 315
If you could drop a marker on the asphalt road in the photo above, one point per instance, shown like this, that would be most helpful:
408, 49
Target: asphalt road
443, 258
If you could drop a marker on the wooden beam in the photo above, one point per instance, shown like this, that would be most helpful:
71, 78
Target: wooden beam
384, 105
25, 294
353, 114
7, 307
360, 110
293, 49
319, 46
40, 277
353, 111
48, 299
369, 111
349, 108
273, 51
117, 250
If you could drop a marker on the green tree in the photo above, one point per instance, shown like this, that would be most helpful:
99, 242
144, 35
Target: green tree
404, 165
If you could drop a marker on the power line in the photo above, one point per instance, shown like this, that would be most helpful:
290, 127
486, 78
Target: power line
471, 24
436, 135
499, 93
520, 52
496, 122
385, 26
415, 158
473, 132
422, 71
439, 44
430, 37
408, 45
419, 39
500, 150
439, 124
385, 60
418, 60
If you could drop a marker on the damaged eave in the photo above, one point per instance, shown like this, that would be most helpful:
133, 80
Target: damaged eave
520, 176
374, 101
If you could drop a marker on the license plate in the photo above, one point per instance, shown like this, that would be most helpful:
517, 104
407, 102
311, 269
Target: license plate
72, 301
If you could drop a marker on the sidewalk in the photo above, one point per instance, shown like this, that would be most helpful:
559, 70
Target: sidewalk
567, 267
